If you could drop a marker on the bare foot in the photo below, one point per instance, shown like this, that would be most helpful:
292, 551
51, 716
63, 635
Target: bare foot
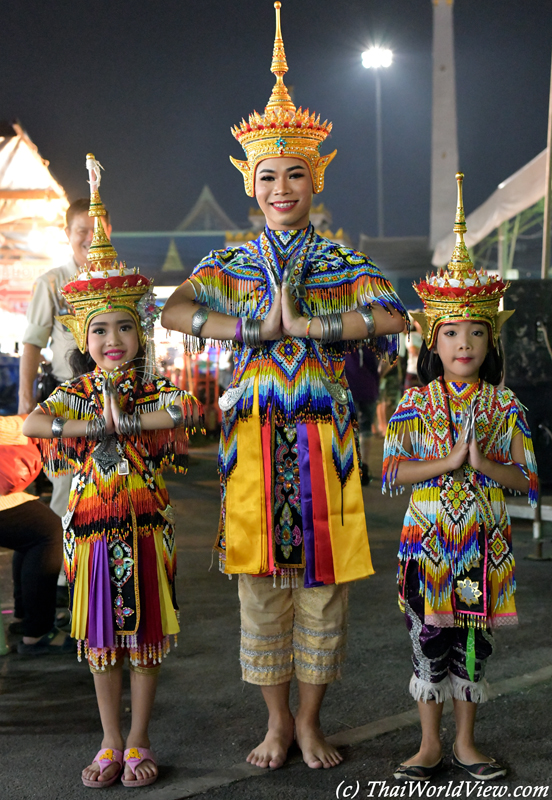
92, 772
316, 751
272, 751
425, 757
147, 769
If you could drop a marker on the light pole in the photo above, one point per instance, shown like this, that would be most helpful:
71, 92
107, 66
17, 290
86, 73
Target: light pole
375, 58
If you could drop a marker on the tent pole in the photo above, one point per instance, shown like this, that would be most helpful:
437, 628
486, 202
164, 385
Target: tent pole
545, 266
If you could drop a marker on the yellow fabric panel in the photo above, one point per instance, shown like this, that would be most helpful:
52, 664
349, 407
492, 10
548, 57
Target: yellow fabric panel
80, 594
507, 608
246, 525
350, 548
168, 614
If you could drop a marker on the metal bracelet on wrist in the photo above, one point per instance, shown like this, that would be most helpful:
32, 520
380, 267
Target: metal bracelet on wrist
175, 413
251, 332
199, 319
130, 424
366, 314
95, 428
57, 427
332, 328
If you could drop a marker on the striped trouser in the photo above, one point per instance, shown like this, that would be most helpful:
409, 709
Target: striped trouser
439, 654
291, 630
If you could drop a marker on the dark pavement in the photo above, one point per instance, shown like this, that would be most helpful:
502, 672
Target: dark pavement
206, 720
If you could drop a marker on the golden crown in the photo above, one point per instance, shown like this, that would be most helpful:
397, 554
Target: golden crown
460, 292
283, 130
106, 286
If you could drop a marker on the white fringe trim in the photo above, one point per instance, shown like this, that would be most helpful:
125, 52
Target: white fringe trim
426, 691
479, 692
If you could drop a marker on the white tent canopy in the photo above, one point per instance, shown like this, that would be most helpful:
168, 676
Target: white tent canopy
520, 191
27, 188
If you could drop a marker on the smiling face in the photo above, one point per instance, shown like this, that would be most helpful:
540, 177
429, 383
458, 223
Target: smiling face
80, 233
283, 188
112, 339
462, 347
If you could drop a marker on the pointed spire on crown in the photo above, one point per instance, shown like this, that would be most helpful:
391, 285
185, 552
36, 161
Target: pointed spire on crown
460, 265
101, 252
280, 96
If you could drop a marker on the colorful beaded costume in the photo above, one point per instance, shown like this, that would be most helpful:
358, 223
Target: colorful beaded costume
119, 549
457, 528
291, 495
285, 433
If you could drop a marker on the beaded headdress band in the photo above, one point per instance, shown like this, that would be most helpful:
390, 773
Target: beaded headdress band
105, 286
282, 130
460, 292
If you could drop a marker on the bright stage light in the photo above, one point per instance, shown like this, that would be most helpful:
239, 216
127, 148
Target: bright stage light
377, 57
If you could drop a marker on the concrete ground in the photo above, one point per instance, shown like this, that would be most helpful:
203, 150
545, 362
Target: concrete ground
206, 720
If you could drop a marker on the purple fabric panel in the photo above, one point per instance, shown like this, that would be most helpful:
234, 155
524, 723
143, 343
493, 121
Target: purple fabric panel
100, 603
306, 505
361, 369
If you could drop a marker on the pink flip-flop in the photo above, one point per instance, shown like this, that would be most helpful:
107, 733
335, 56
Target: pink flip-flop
105, 757
134, 756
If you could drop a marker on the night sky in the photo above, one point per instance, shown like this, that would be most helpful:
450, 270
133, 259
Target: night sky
152, 88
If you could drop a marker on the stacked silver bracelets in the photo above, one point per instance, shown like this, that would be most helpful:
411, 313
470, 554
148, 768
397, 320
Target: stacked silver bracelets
57, 427
366, 314
199, 319
332, 328
95, 428
175, 413
251, 332
130, 424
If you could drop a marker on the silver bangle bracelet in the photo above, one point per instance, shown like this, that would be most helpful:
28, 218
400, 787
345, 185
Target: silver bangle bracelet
175, 413
95, 428
57, 427
199, 319
251, 332
130, 424
332, 328
366, 314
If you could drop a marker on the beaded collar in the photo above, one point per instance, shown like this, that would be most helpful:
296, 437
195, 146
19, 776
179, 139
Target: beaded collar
459, 392
286, 243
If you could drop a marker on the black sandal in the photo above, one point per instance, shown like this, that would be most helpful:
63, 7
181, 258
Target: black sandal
416, 772
45, 647
483, 771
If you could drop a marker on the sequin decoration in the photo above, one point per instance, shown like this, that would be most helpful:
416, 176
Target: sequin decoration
468, 591
121, 611
288, 535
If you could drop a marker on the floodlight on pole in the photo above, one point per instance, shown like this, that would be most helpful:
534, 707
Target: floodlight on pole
377, 58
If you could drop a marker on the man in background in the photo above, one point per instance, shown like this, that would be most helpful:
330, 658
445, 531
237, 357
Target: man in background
47, 303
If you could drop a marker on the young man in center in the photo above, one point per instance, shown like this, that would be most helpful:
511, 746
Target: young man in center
290, 304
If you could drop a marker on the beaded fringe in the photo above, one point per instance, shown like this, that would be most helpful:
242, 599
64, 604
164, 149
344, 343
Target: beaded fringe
289, 576
139, 654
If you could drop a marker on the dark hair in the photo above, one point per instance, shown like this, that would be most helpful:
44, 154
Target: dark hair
81, 363
491, 370
80, 206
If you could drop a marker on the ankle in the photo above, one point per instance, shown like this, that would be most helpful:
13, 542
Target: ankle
113, 740
431, 745
307, 719
280, 719
137, 739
